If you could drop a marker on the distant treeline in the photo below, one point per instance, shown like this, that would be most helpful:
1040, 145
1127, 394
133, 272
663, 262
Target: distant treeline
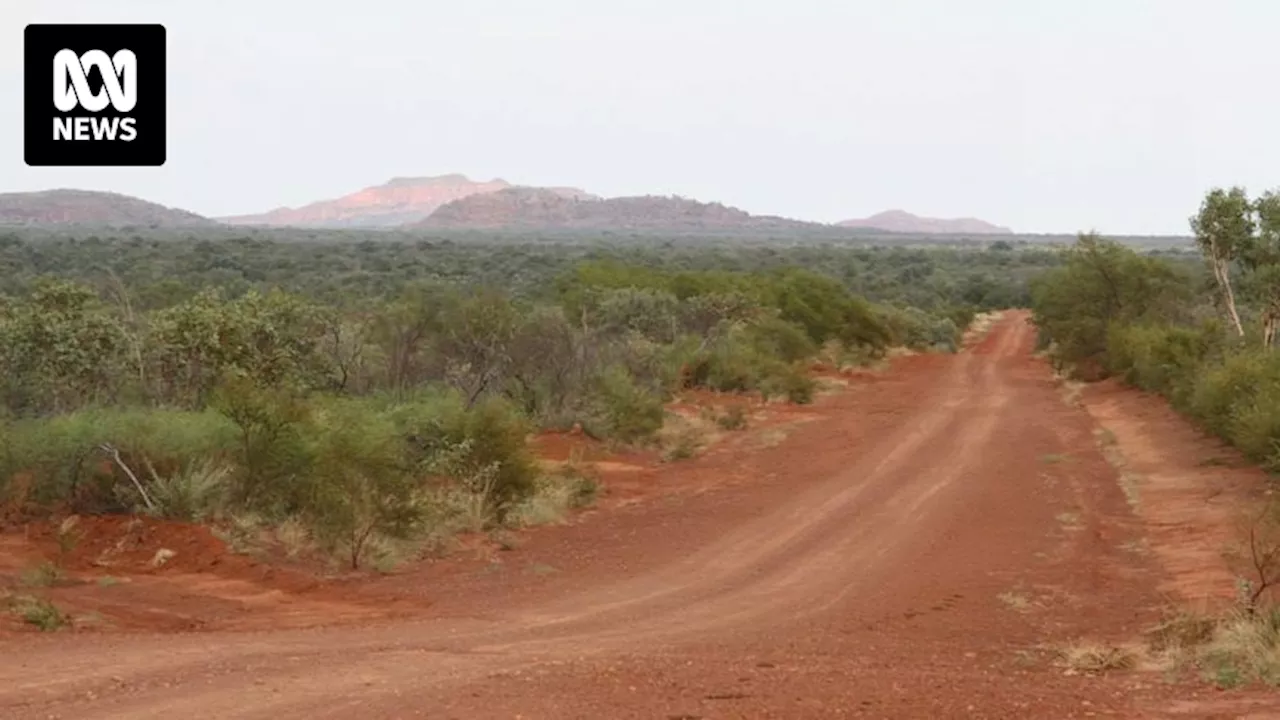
161, 267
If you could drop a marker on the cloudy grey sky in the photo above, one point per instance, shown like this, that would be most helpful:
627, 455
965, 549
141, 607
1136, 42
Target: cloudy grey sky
1045, 116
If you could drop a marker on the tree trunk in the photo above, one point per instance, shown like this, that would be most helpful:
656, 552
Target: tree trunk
1222, 273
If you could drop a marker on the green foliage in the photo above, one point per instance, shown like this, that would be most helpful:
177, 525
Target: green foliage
1138, 317
272, 338
1100, 283
1240, 239
41, 613
775, 337
362, 486
1228, 387
54, 461
793, 383
918, 330
60, 348
272, 454
625, 411
482, 447
359, 393
1163, 358
197, 492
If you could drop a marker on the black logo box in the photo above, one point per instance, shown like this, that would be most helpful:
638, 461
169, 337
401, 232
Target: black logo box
41, 43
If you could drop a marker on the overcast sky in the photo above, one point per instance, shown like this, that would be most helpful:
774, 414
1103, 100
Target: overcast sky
1044, 116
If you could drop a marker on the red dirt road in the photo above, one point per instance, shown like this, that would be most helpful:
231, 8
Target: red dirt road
914, 552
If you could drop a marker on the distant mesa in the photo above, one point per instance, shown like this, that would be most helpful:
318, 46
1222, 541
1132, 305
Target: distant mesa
553, 209
399, 201
88, 207
900, 221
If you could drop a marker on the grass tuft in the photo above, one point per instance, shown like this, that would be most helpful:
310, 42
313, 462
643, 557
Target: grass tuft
1091, 658
45, 574
39, 612
735, 418
1015, 601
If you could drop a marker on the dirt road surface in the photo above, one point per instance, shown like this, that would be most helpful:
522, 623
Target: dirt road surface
918, 551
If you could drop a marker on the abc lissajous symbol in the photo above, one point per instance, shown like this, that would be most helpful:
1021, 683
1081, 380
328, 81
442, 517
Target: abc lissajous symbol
122, 95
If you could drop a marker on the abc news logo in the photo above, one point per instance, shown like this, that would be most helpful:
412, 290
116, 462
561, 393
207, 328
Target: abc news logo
107, 105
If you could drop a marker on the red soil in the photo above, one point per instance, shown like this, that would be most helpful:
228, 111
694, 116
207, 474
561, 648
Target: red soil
911, 547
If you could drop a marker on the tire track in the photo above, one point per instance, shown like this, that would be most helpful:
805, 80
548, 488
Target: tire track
802, 559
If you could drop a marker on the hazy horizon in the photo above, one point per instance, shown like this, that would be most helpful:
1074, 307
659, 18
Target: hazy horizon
1115, 116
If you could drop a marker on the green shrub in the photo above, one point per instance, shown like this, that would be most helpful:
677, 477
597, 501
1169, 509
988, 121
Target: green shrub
362, 490
791, 382
488, 438
1225, 388
272, 455
627, 412
962, 316
1255, 426
39, 612
197, 492
1159, 358
916, 329
777, 338
62, 459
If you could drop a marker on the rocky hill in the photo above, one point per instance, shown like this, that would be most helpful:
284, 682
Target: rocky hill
904, 222
88, 207
541, 208
400, 201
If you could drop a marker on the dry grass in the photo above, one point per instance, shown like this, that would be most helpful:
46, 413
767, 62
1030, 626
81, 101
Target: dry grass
684, 435
294, 537
1182, 630
981, 325
1092, 658
1069, 520
773, 437
1244, 648
1071, 392
1136, 547
46, 574
571, 486
1015, 601
734, 418
1130, 482
1238, 649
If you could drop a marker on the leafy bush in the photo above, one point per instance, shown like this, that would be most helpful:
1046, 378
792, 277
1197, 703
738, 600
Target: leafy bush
61, 460
919, 330
1222, 389
1255, 426
1100, 283
626, 411
1160, 358
361, 488
272, 455
487, 438
777, 338
791, 382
